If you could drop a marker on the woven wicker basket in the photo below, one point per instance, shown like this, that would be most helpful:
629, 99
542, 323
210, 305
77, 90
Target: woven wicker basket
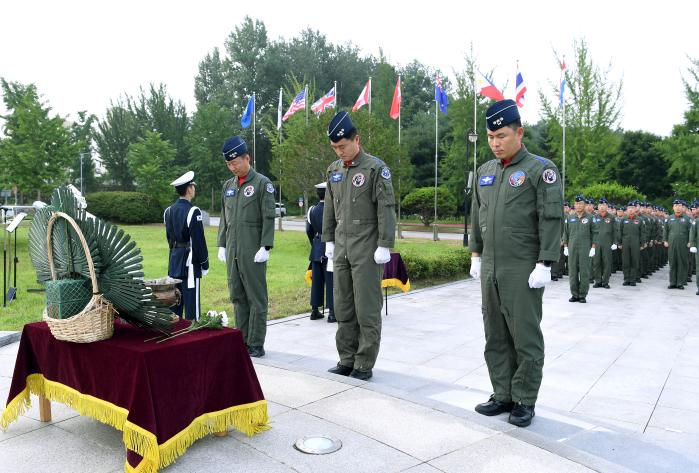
96, 321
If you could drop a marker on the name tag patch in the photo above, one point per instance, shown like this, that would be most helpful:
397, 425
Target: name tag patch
230, 192
336, 177
486, 180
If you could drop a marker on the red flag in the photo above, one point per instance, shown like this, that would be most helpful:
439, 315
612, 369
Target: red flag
364, 97
395, 105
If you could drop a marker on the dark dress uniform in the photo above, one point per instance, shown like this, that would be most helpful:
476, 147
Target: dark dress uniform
188, 254
321, 277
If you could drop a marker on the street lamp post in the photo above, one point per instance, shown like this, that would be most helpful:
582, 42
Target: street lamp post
470, 187
81, 171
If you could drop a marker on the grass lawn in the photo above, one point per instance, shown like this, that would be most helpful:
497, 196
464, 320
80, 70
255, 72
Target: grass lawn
288, 292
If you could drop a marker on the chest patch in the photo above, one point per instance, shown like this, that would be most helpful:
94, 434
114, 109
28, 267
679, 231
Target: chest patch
635, 222
607, 220
358, 180
486, 180
573, 220
249, 191
517, 178
230, 192
584, 221
336, 177
549, 176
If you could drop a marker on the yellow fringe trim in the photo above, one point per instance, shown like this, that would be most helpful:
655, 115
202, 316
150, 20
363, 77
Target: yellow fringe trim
309, 277
249, 419
393, 282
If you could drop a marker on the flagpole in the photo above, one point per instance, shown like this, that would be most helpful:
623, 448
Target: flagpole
279, 123
337, 98
400, 233
563, 175
369, 95
435, 236
475, 115
254, 147
305, 103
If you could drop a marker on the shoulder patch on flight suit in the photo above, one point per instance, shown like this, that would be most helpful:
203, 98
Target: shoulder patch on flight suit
386, 173
230, 192
248, 191
549, 176
269, 188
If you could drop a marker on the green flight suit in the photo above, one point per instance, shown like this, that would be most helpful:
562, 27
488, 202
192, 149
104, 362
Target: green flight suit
645, 239
517, 213
605, 228
630, 241
247, 224
676, 234
579, 237
358, 217
694, 242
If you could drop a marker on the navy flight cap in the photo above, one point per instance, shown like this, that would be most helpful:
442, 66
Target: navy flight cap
501, 114
603, 200
579, 198
233, 147
340, 127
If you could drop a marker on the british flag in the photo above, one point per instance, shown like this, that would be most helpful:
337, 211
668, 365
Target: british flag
326, 101
299, 103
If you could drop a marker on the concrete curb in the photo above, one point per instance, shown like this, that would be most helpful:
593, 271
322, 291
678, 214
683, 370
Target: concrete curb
8, 337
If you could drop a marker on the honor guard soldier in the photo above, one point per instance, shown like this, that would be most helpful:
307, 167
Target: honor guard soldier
189, 258
630, 245
580, 242
321, 275
245, 236
359, 226
516, 235
694, 238
605, 228
676, 239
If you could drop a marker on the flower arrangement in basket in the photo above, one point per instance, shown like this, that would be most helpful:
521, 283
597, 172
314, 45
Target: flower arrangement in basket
92, 267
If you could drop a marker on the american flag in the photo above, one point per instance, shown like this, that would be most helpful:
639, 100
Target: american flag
299, 103
326, 101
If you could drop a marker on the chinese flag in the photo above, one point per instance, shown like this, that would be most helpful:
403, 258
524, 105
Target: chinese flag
395, 105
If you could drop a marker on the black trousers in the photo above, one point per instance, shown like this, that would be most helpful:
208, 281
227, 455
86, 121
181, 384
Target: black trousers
321, 278
190, 301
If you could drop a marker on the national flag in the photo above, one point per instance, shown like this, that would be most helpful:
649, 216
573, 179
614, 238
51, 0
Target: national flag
562, 89
364, 97
299, 103
488, 89
279, 111
440, 96
395, 105
328, 100
521, 89
246, 120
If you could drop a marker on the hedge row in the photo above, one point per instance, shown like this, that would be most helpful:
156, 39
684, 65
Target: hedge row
448, 265
125, 207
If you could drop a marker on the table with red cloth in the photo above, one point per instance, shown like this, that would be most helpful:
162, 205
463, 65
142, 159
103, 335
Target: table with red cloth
163, 396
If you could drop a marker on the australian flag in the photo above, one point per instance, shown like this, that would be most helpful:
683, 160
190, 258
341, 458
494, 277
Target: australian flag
440, 96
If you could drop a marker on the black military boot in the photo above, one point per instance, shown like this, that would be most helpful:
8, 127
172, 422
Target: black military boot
256, 352
331, 317
494, 407
342, 370
573, 299
521, 415
315, 314
597, 284
582, 300
362, 375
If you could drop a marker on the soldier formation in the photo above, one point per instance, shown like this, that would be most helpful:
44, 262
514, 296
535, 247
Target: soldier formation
638, 239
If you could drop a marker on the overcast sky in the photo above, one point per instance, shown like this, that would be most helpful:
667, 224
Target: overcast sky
82, 54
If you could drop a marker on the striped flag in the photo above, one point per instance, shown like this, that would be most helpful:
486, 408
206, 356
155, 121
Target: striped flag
521, 89
328, 100
299, 103
561, 90
279, 110
364, 98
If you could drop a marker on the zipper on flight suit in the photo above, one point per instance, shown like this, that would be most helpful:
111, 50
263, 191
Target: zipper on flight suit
501, 172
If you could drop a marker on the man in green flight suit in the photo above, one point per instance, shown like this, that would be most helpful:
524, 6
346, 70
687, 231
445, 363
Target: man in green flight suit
359, 226
579, 239
676, 239
517, 212
630, 245
605, 228
694, 239
245, 236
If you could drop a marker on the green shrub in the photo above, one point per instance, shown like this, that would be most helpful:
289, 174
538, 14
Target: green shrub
125, 207
421, 202
613, 191
447, 265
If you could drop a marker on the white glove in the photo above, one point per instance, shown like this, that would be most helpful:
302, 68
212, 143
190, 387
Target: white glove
382, 255
221, 254
329, 250
540, 276
693, 249
614, 247
565, 250
262, 255
592, 252
204, 272
475, 271
329, 268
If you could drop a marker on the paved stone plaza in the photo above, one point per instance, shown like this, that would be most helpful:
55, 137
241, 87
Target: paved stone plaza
620, 380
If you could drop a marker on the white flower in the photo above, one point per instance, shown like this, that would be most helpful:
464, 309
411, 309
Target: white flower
224, 318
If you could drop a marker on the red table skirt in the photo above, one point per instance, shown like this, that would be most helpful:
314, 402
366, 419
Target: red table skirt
163, 396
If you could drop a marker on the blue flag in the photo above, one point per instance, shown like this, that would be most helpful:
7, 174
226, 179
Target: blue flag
440, 96
247, 114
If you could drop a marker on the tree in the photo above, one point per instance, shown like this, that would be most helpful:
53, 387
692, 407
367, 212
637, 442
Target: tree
150, 162
592, 114
114, 136
421, 202
612, 191
37, 150
640, 157
83, 167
